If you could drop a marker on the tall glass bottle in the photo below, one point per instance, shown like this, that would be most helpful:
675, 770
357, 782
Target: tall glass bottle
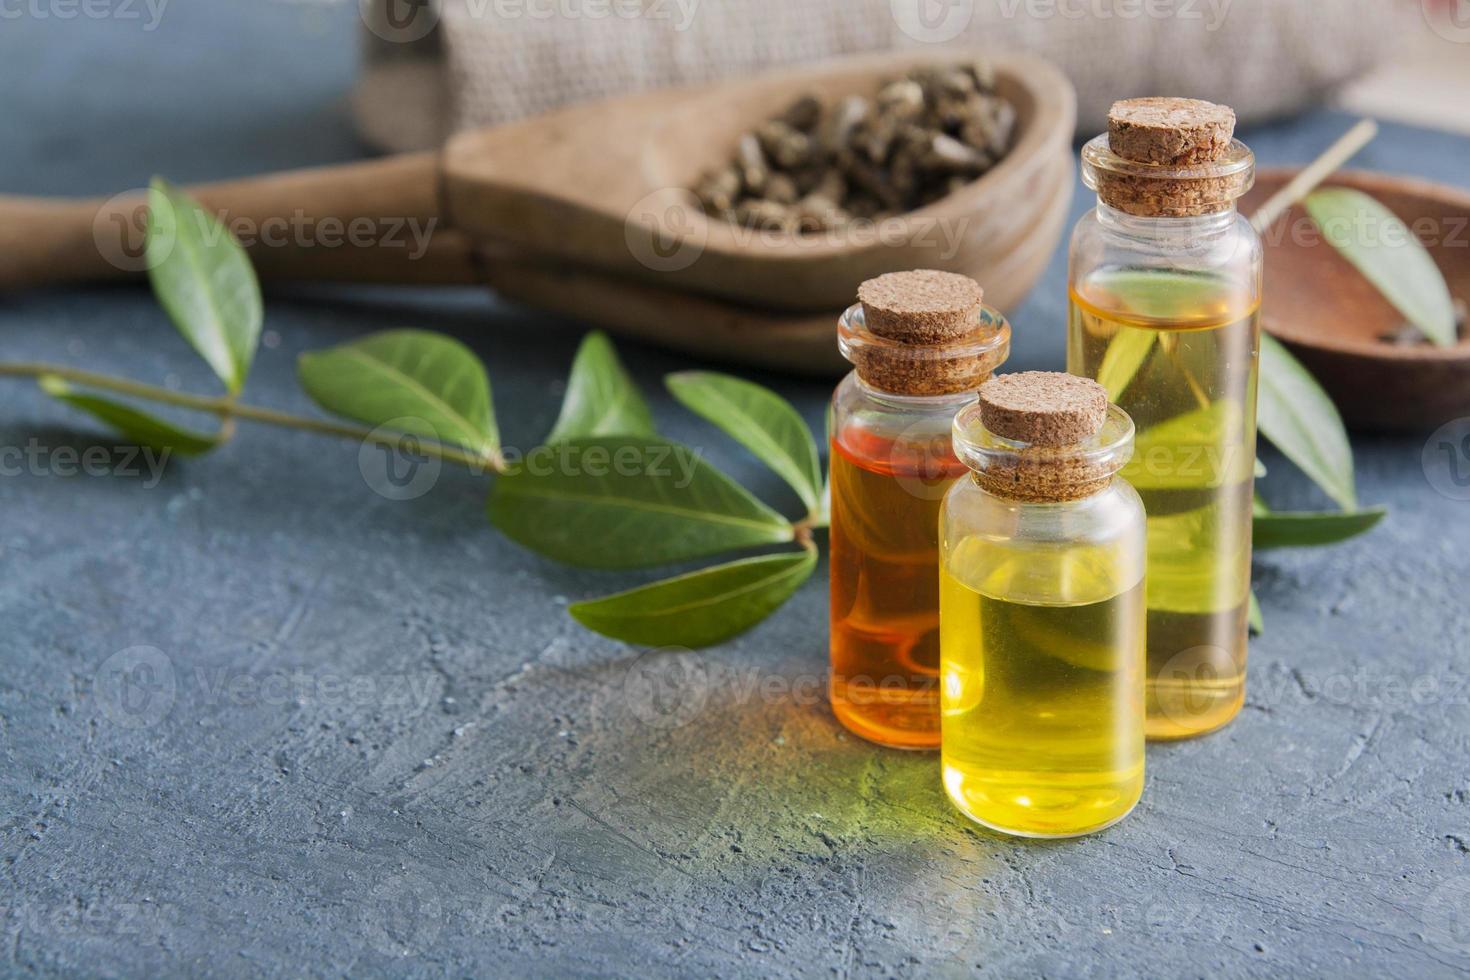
1041, 611
921, 343
1165, 288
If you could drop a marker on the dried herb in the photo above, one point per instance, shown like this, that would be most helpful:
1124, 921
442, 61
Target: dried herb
815, 167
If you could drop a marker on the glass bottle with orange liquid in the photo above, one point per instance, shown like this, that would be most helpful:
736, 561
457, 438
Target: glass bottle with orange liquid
1165, 289
921, 343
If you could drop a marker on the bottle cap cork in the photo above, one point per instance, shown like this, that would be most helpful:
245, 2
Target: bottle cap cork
1043, 408
921, 306
1043, 437
1168, 157
923, 332
1171, 132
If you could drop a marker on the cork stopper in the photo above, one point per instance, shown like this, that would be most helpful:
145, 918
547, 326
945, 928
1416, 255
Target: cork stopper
1062, 440
1170, 132
923, 332
921, 306
1168, 157
1044, 408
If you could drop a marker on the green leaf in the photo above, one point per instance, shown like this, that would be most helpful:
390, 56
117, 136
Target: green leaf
1287, 529
1389, 255
1199, 449
1253, 615
137, 426
1301, 421
627, 502
700, 608
204, 281
601, 398
1126, 353
823, 515
761, 421
411, 380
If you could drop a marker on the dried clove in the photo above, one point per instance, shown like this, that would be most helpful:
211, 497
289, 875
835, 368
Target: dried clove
752, 163
838, 126
781, 189
803, 114
785, 145
719, 190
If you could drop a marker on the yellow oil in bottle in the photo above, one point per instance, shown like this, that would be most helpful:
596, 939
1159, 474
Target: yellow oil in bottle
1041, 685
1178, 352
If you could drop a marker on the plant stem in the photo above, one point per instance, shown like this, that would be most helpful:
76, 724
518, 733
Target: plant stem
801, 533
227, 410
1313, 174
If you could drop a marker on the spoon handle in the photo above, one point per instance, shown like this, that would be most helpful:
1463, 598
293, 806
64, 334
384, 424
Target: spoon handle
377, 221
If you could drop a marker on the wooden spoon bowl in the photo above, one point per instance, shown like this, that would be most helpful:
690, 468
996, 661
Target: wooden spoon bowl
796, 342
604, 185
1341, 327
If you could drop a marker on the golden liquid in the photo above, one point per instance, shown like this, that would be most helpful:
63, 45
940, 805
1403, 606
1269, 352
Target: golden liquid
885, 586
1178, 352
1041, 677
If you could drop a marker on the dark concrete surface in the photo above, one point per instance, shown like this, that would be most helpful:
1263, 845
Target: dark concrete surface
372, 742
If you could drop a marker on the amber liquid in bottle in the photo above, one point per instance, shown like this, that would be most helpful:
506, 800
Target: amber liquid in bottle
886, 495
1178, 352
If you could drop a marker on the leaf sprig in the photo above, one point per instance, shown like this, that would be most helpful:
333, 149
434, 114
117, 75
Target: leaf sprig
604, 490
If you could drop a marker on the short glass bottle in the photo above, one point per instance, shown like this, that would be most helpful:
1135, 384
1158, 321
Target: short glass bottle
891, 463
1042, 631
1165, 288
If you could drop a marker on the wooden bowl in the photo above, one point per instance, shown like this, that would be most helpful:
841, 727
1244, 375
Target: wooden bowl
1336, 322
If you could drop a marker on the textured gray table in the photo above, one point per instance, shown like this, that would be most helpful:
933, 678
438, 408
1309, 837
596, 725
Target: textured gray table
377, 744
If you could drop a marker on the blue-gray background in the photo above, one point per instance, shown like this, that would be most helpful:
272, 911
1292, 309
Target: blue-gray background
388, 750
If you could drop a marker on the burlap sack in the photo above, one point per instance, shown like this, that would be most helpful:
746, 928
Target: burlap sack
432, 68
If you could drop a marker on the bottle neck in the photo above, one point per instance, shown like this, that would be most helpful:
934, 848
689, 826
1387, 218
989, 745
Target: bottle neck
1170, 193
1041, 474
1192, 228
954, 400
908, 370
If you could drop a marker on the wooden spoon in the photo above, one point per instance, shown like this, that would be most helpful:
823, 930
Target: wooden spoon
591, 199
